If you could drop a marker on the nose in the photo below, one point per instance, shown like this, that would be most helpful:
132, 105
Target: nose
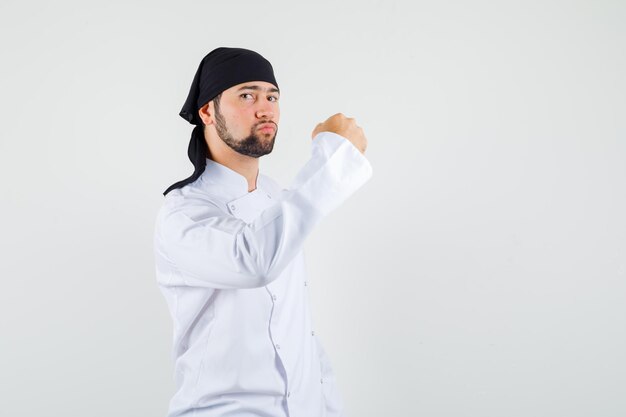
265, 110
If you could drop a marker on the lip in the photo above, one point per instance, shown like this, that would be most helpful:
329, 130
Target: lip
267, 126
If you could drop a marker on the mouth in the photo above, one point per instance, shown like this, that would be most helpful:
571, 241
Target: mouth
267, 127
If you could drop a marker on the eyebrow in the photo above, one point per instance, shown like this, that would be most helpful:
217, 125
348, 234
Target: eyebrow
256, 87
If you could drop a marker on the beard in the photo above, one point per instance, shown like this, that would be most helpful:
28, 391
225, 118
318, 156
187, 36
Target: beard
254, 145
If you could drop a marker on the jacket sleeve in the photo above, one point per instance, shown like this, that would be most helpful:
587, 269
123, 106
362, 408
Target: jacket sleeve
204, 246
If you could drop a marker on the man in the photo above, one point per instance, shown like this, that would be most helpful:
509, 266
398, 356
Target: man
228, 249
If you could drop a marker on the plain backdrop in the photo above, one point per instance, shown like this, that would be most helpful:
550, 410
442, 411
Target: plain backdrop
481, 271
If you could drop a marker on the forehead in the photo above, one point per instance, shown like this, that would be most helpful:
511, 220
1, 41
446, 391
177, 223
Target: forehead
254, 86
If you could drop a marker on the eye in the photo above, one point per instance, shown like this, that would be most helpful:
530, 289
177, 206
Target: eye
245, 94
274, 98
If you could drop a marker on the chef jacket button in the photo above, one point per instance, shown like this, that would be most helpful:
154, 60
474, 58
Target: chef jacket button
288, 394
321, 381
277, 346
269, 196
274, 296
305, 283
232, 207
312, 333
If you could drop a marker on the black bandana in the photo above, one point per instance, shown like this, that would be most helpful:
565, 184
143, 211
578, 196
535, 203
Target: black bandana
221, 69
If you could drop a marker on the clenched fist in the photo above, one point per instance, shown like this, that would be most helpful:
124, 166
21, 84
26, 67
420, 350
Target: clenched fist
344, 126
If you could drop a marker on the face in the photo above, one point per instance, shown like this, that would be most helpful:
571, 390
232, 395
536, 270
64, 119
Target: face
246, 117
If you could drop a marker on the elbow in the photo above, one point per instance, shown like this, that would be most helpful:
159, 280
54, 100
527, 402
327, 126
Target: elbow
253, 264
261, 277
260, 280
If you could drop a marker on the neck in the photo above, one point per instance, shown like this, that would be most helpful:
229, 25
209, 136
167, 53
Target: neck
245, 165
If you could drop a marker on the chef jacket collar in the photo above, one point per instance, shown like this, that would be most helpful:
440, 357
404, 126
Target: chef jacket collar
235, 184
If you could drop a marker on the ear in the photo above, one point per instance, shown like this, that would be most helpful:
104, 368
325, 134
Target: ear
206, 113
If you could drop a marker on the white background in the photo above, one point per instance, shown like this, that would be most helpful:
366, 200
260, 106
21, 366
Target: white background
481, 272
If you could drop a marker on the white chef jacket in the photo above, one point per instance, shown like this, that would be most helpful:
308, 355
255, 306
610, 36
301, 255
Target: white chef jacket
231, 267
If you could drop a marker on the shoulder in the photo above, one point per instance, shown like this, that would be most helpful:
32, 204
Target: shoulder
190, 202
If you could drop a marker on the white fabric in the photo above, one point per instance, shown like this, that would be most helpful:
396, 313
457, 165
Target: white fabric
231, 267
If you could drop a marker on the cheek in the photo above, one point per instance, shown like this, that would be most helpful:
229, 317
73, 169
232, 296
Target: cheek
236, 119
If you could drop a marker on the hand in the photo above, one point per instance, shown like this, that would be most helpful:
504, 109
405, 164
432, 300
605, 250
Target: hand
344, 126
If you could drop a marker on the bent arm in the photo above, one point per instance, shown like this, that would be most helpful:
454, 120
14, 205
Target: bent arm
211, 248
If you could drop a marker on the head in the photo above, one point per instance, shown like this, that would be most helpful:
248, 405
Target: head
244, 116
233, 94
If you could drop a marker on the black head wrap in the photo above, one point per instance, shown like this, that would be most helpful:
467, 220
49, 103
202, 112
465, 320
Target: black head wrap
221, 69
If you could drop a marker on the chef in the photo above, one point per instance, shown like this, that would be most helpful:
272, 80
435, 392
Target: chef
228, 245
